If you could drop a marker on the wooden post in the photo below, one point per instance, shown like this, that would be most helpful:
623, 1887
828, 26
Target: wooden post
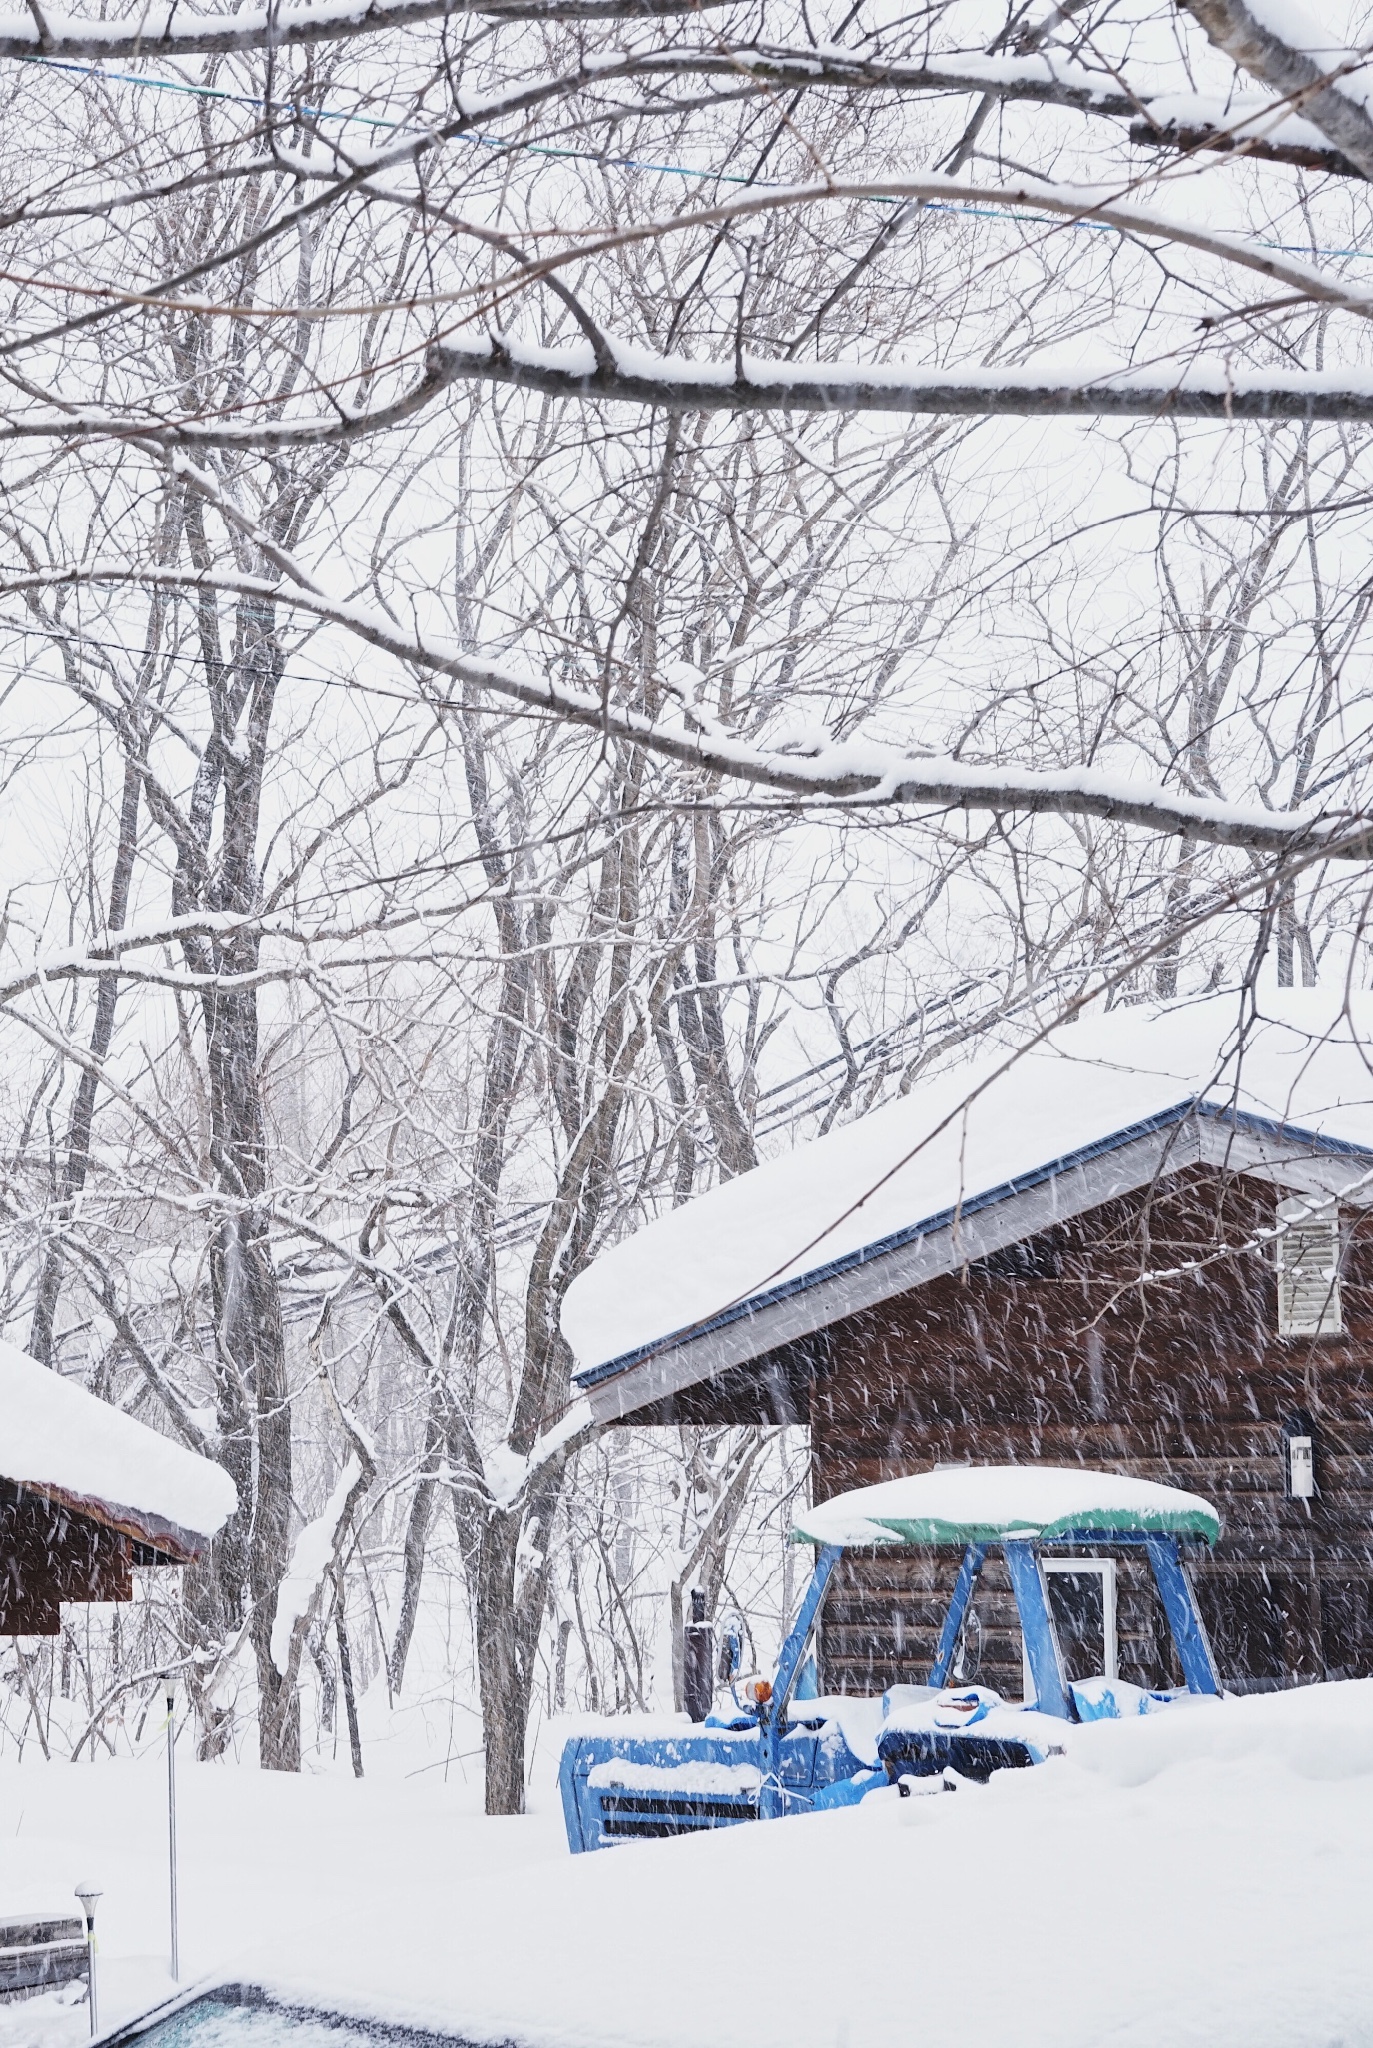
698, 1659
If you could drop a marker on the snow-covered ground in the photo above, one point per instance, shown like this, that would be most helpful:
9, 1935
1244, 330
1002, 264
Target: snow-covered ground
1203, 1875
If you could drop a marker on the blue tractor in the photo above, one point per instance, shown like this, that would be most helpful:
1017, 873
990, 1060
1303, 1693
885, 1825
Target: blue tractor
774, 1754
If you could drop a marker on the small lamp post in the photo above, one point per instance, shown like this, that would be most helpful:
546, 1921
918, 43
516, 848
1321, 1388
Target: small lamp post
170, 1684
88, 1894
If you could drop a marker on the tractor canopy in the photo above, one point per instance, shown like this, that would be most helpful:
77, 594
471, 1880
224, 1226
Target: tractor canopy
772, 1758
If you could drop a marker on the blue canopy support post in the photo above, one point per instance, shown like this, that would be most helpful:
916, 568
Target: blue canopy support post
1037, 1627
1184, 1617
773, 1720
974, 1557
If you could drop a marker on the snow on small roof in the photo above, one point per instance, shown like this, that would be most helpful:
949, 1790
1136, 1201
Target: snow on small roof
968, 1136
58, 1440
987, 1503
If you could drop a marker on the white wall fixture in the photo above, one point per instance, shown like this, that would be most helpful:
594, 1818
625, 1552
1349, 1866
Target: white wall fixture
1301, 1468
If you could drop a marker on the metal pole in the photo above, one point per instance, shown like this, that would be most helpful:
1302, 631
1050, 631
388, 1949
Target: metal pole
171, 1824
88, 1895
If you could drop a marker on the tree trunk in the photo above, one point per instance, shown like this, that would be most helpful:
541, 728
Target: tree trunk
503, 1675
345, 1666
251, 1347
44, 1322
416, 1537
251, 1386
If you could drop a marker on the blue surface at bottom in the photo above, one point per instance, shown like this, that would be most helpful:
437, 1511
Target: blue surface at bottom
236, 2015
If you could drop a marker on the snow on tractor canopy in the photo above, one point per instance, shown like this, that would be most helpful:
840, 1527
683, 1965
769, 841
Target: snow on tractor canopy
772, 1751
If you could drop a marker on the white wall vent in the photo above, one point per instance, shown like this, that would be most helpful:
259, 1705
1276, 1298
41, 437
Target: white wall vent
1309, 1271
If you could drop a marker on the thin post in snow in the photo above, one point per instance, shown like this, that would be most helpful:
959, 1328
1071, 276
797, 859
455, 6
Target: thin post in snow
171, 1828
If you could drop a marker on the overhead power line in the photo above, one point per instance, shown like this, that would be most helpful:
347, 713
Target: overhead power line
299, 110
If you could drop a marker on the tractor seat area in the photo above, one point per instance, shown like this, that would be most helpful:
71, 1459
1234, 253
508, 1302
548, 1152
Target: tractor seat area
928, 1752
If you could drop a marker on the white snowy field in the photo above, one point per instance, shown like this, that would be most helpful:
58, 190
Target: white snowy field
1201, 1876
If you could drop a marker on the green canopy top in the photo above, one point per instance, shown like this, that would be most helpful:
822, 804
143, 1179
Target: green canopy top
990, 1503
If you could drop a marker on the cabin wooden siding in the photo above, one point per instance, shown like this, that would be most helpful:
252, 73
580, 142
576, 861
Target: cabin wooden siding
49, 1554
1070, 1360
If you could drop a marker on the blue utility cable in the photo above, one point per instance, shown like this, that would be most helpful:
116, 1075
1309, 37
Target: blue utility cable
587, 156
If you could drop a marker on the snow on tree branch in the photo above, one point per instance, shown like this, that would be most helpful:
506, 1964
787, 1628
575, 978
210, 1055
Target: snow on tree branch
1251, 124
1185, 121
1045, 80
82, 963
508, 1474
850, 772
1281, 46
312, 1559
168, 30
679, 384
318, 1550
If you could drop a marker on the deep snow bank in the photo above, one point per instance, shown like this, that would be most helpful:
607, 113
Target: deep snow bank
1200, 1876
1315, 1731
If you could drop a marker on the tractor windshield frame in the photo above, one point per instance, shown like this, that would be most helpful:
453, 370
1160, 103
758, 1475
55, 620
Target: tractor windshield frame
1023, 1561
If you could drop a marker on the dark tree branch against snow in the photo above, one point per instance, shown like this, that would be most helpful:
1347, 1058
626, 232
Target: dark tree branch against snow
756, 384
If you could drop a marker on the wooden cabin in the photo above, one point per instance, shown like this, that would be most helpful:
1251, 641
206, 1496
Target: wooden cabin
1145, 1246
87, 1493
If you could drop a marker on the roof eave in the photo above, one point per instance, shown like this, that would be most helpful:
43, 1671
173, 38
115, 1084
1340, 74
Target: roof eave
1187, 1133
179, 1544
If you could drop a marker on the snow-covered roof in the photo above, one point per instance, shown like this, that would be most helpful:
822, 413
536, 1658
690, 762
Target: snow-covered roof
60, 1441
976, 1157
986, 1503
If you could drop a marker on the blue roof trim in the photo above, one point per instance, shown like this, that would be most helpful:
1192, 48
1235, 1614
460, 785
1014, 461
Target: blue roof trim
849, 1262
1266, 1127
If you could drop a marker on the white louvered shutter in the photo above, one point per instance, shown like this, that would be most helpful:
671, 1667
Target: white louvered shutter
1309, 1271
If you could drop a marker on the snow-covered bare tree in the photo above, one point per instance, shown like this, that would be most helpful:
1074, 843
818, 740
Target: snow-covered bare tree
618, 577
